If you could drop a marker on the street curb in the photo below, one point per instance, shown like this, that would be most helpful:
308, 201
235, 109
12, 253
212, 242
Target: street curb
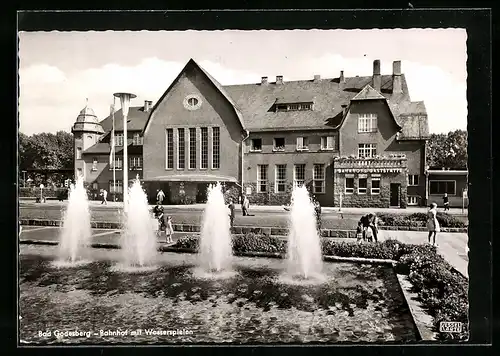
424, 323
270, 231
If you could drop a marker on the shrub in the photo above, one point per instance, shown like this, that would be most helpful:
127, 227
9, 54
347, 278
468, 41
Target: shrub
418, 220
258, 243
190, 242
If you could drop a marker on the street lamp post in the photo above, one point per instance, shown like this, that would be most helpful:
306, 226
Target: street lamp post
125, 104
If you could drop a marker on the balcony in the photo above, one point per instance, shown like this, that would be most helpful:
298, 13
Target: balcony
379, 164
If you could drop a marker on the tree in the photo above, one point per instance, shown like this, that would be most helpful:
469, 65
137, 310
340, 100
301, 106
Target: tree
46, 151
448, 150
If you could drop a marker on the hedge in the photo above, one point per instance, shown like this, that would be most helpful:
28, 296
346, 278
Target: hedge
35, 192
442, 290
419, 220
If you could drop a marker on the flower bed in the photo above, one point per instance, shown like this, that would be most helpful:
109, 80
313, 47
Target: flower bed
442, 290
419, 220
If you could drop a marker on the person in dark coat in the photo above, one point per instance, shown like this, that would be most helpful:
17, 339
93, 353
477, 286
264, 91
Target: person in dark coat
158, 210
231, 212
369, 221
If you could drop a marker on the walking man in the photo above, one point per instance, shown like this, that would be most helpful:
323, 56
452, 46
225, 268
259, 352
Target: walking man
245, 206
160, 196
104, 195
231, 212
446, 202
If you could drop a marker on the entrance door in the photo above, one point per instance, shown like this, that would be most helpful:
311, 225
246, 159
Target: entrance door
394, 199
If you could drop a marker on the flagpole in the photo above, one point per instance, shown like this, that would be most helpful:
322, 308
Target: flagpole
114, 150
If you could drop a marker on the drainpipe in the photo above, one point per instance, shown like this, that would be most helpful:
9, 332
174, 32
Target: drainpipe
247, 134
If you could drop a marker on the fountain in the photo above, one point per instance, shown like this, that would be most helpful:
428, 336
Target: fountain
215, 242
304, 248
76, 231
138, 241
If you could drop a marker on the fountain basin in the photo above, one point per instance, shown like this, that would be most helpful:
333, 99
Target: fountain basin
355, 303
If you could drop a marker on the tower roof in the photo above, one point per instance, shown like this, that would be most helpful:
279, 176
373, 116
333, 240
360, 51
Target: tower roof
87, 121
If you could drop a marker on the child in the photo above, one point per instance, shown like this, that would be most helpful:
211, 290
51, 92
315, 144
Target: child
166, 227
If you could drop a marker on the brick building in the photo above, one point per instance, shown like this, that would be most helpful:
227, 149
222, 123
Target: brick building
355, 141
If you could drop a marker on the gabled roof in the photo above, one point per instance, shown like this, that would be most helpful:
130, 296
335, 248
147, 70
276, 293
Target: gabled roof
253, 103
368, 93
137, 120
216, 84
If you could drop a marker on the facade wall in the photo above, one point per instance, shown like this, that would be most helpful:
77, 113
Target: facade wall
454, 199
172, 113
381, 200
290, 156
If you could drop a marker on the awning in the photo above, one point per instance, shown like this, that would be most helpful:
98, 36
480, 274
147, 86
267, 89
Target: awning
192, 178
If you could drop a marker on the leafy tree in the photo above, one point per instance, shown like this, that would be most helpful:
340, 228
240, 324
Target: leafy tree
448, 150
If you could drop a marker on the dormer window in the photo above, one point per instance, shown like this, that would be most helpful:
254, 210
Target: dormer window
294, 107
137, 139
256, 144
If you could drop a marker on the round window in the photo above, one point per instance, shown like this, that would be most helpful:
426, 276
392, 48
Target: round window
192, 102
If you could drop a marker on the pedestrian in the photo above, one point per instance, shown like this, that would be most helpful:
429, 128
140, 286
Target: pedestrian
317, 211
104, 195
432, 224
166, 227
157, 210
231, 213
245, 206
446, 202
160, 196
369, 225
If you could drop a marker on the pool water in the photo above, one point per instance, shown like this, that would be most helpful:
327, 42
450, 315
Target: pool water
255, 304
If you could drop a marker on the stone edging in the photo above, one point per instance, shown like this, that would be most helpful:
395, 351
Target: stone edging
423, 321
270, 231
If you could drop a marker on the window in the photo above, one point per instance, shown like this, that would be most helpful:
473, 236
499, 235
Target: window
439, 187
293, 107
181, 149
363, 184
349, 185
215, 148
137, 139
281, 107
413, 200
118, 164
136, 163
319, 179
327, 143
204, 148
94, 164
95, 186
280, 178
279, 144
118, 188
192, 101
262, 178
375, 185
302, 143
119, 139
367, 123
366, 150
412, 179
299, 175
170, 149
192, 148
78, 153
308, 106
256, 144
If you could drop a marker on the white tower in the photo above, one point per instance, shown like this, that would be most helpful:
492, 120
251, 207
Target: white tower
86, 132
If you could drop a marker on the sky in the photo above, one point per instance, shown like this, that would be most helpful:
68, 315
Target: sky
59, 71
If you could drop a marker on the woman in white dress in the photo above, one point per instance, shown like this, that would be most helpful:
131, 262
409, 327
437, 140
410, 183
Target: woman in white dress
432, 224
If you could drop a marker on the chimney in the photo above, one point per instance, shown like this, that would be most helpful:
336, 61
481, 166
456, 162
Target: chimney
263, 81
147, 105
279, 79
397, 87
341, 78
317, 77
376, 80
